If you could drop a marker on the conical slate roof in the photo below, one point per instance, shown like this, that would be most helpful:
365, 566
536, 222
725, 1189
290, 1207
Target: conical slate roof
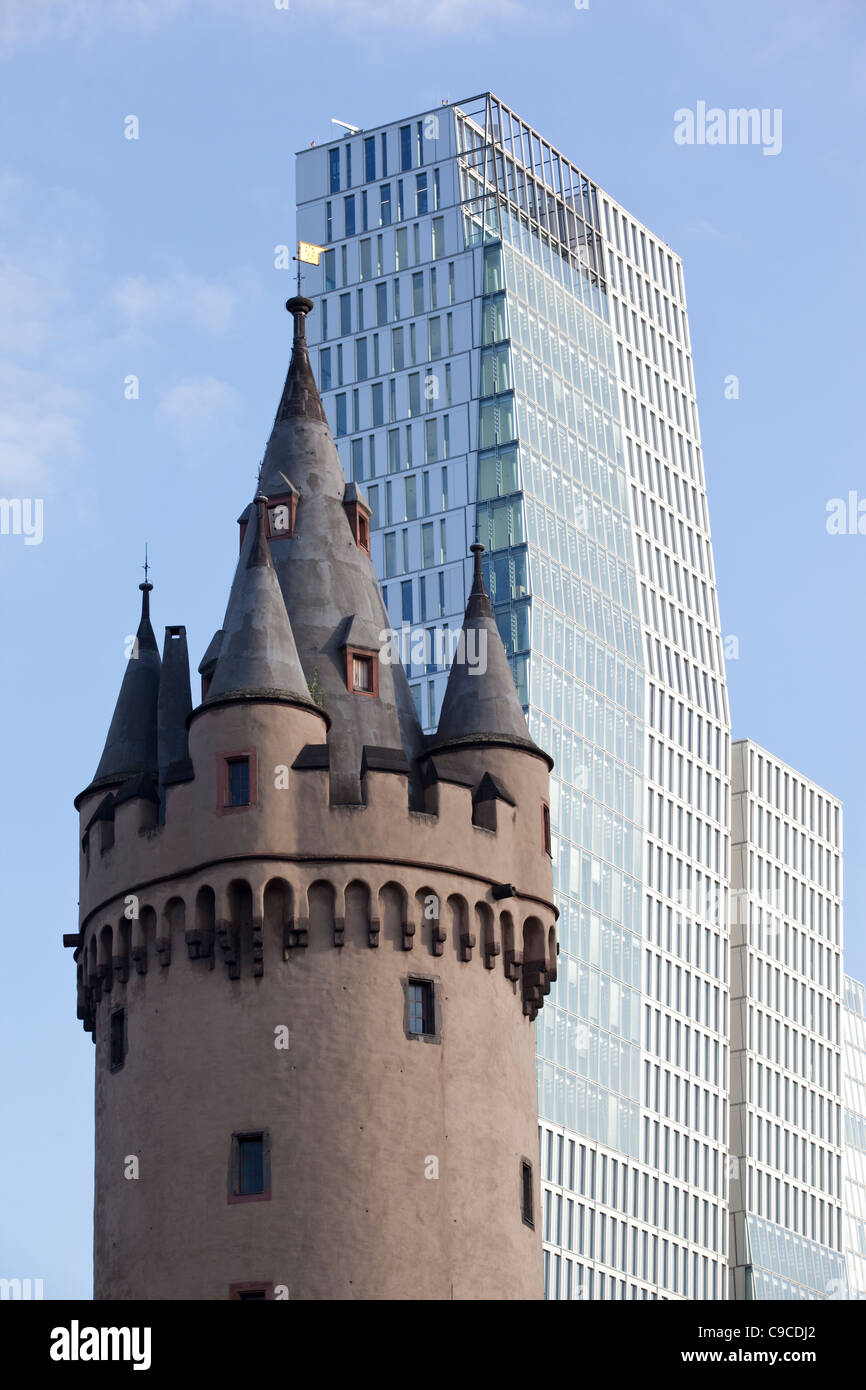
131, 745
481, 701
257, 655
173, 709
327, 579
300, 399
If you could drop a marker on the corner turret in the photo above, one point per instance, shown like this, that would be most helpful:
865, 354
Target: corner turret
257, 656
131, 746
481, 702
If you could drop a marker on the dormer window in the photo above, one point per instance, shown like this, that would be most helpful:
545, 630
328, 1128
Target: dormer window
362, 674
358, 513
281, 517
362, 671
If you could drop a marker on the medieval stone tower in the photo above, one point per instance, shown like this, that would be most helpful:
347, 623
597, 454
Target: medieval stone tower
313, 941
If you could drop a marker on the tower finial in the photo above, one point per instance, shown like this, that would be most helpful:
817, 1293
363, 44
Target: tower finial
299, 306
146, 588
477, 576
300, 398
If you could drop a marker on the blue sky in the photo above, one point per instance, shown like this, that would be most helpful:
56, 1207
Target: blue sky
155, 257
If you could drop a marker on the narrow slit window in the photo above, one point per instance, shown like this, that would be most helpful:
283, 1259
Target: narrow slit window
251, 1165
546, 842
116, 1039
527, 1204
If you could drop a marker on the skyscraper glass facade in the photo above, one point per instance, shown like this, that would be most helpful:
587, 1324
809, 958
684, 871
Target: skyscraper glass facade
786, 1035
504, 352
854, 1147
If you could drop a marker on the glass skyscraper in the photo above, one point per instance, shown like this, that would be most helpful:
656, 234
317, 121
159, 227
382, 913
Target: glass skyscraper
854, 1146
503, 352
786, 1034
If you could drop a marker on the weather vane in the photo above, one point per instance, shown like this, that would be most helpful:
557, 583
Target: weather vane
145, 566
308, 254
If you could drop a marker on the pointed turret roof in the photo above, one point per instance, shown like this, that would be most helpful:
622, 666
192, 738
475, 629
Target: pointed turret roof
300, 398
481, 702
257, 655
131, 745
173, 709
327, 578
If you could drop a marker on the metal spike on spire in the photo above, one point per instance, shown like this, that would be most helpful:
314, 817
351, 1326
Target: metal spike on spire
146, 588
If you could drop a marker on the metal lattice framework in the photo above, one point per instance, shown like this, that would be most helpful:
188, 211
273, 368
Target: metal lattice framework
506, 165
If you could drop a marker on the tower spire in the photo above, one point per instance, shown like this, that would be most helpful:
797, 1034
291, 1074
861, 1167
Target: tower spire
258, 655
300, 398
481, 701
330, 588
131, 745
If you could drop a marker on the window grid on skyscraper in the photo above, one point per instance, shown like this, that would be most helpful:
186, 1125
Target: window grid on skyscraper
573, 448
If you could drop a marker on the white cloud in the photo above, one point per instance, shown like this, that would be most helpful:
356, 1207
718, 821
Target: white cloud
61, 21
209, 304
40, 430
44, 233
199, 409
45, 335
85, 22
708, 229
440, 16
66, 339
31, 304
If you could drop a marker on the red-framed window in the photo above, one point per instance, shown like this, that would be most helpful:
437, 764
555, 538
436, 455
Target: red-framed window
281, 512
237, 781
362, 671
359, 520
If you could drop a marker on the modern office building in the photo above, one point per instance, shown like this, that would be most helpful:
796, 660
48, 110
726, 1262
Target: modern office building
786, 1033
503, 351
854, 1145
